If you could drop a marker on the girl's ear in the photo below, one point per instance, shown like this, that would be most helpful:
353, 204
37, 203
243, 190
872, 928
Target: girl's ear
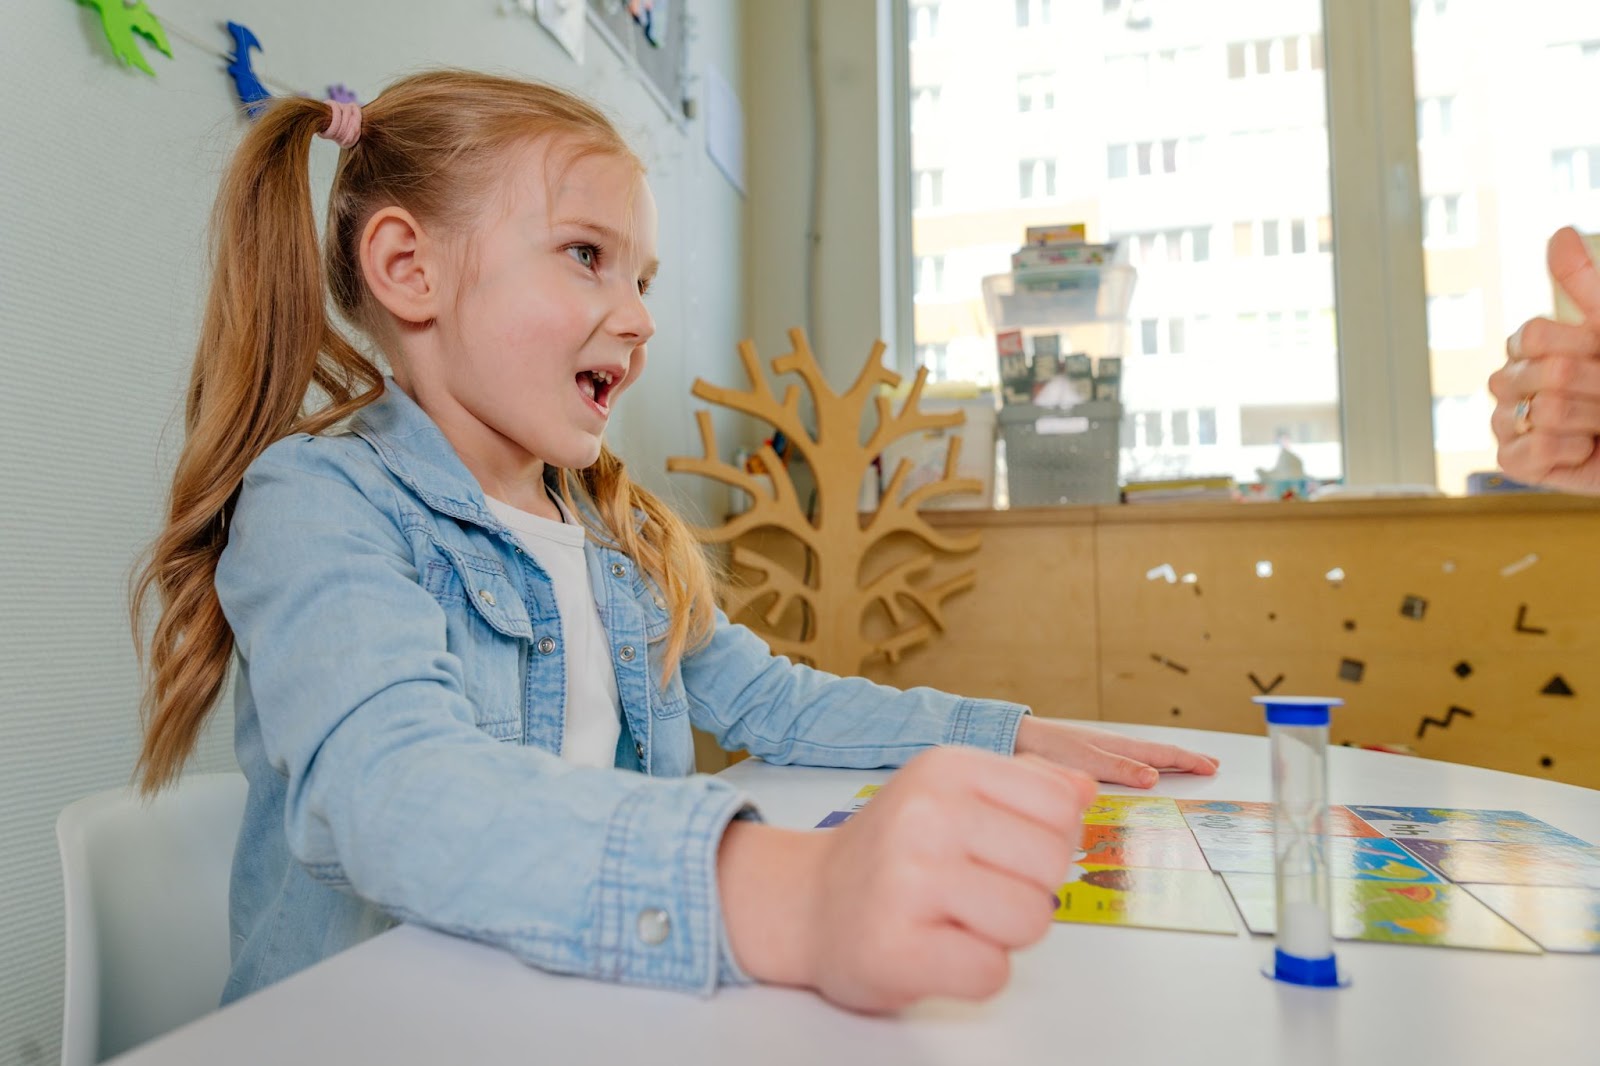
402, 266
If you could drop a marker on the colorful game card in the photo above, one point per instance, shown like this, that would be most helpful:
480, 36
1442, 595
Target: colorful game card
1123, 845
833, 818
1257, 818
1445, 823
1488, 862
1559, 918
1152, 899
1359, 858
1152, 811
1439, 915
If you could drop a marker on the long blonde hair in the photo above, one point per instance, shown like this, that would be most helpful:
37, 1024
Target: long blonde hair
271, 362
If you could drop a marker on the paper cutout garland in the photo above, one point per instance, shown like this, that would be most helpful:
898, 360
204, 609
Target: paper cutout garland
252, 94
120, 23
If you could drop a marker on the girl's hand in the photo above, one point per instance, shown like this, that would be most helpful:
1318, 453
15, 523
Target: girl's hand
1109, 757
1547, 411
924, 892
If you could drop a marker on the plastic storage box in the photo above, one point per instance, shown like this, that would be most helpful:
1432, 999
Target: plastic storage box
1059, 456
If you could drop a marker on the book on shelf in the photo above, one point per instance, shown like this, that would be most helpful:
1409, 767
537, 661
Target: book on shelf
1209, 487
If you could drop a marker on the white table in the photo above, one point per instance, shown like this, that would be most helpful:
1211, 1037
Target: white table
1085, 994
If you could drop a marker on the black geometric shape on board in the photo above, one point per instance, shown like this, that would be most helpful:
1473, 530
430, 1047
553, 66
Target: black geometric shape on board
1463, 669
1522, 620
1351, 670
1349, 625
1442, 723
1266, 689
1557, 686
1547, 762
1176, 712
1414, 607
1272, 616
1169, 664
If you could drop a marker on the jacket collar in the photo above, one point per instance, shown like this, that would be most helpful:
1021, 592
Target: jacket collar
415, 451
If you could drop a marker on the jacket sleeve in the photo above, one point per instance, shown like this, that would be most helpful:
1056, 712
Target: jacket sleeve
786, 712
394, 794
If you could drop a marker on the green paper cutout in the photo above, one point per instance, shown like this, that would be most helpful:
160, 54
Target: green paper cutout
121, 22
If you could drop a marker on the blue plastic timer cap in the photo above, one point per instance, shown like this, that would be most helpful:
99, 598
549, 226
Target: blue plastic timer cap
1298, 710
1316, 973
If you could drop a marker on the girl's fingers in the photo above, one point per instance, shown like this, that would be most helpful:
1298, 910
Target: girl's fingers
1164, 756
950, 961
1050, 795
1532, 456
1019, 848
1001, 909
1542, 338
1573, 375
1549, 412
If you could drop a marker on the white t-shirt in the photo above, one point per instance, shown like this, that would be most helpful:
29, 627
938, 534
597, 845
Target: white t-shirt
593, 711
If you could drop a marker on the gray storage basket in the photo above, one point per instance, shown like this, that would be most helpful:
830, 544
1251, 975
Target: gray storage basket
1074, 459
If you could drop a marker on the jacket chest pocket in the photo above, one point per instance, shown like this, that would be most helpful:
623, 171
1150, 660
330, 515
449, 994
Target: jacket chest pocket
668, 700
487, 629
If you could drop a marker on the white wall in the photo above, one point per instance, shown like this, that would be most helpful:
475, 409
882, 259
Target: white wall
107, 177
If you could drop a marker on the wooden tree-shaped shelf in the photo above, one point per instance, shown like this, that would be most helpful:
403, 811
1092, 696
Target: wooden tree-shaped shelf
831, 587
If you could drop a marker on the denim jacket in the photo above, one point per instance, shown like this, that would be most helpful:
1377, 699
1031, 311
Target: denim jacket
399, 709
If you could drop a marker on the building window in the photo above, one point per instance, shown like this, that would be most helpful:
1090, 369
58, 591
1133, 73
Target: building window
1033, 13
1117, 161
927, 189
930, 275
1297, 236
1035, 92
1180, 427
1244, 240
1576, 169
1441, 217
1435, 117
1200, 243
1150, 424
925, 20
1150, 335
924, 105
1036, 178
1175, 337
1269, 237
934, 357
1206, 425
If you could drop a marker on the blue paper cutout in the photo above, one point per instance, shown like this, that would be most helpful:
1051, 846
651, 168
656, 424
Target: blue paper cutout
251, 92
339, 94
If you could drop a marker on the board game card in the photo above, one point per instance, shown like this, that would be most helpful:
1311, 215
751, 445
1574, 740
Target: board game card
1439, 915
1154, 811
1257, 818
1445, 823
1361, 858
1152, 899
1494, 863
1142, 846
1559, 918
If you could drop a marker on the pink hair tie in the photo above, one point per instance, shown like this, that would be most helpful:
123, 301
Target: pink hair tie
344, 125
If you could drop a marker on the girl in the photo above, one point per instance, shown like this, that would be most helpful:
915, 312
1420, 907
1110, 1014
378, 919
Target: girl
470, 648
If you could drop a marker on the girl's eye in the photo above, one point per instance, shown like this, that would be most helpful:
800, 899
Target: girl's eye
644, 286
587, 255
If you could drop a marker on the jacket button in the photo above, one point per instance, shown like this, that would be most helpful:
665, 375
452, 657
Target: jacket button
654, 925
638, 749
486, 596
626, 653
661, 603
547, 645
618, 570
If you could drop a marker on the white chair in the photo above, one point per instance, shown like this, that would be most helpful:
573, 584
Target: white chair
147, 911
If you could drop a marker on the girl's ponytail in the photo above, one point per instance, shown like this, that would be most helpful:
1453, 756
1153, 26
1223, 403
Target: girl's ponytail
265, 340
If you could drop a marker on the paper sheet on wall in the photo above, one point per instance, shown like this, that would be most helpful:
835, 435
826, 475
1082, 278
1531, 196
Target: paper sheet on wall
725, 128
563, 20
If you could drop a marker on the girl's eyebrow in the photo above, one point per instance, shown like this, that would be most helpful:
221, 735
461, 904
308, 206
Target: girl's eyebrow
610, 236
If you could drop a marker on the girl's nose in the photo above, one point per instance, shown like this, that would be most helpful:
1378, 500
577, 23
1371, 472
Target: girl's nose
632, 321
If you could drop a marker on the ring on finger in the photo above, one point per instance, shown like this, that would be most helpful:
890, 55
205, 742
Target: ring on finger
1522, 415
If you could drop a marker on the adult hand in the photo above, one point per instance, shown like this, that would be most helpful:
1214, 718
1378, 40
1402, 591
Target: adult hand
1108, 756
1547, 410
925, 891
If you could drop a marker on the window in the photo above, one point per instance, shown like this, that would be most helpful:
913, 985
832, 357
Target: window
1117, 161
924, 105
1244, 239
1236, 63
1576, 169
924, 20
1269, 237
1436, 117
1037, 178
1297, 236
1441, 217
1033, 13
934, 357
1151, 429
927, 189
930, 275
1175, 336
1150, 335
1180, 427
1206, 425
1035, 92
